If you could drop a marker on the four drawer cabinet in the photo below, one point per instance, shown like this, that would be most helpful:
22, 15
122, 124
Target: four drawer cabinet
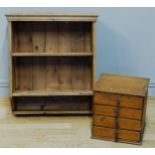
119, 108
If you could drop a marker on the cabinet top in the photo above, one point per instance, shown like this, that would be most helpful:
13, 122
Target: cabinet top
51, 17
122, 85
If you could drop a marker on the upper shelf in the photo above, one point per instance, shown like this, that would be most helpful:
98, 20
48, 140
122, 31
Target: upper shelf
51, 17
20, 54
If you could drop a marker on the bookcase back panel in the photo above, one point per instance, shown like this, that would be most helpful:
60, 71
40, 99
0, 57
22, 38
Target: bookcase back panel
52, 73
60, 103
52, 37
23, 37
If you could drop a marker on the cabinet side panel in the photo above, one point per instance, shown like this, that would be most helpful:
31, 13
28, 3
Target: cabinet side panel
16, 74
144, 110
94, 51
10, 57
88, 74
16, 37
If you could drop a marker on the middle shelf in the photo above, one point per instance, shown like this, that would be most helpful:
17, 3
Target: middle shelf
53, 93
29, 54
43, 74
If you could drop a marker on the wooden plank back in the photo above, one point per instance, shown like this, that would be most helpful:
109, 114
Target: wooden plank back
23, 37
52, 73
25, 73
39, 74
52, 39
38, 38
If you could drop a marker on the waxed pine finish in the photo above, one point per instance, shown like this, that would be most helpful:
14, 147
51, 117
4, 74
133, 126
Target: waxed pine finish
119, 108
52, 63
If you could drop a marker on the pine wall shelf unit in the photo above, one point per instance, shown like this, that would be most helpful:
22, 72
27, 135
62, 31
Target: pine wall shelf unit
52, 63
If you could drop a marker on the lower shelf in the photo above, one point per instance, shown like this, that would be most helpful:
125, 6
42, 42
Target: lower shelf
52, 105
53, 93
52, 112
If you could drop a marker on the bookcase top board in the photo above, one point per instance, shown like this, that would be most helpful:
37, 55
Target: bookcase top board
89, 17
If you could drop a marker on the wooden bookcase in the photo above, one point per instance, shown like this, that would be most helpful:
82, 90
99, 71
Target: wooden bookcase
52, 63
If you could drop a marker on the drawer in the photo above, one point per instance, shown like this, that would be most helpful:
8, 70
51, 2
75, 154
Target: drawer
123, 135
123, 112
124, 101
131, 102
106, 121
105, 99
100, 132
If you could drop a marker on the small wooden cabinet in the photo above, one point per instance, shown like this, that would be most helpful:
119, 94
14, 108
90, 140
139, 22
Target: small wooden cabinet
119, 108
52, 63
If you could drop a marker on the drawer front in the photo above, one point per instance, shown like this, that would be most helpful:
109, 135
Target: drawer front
122, 112
105, 99
122, 135
100, 132
131, 102
124, 101
126, 135
106, 121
